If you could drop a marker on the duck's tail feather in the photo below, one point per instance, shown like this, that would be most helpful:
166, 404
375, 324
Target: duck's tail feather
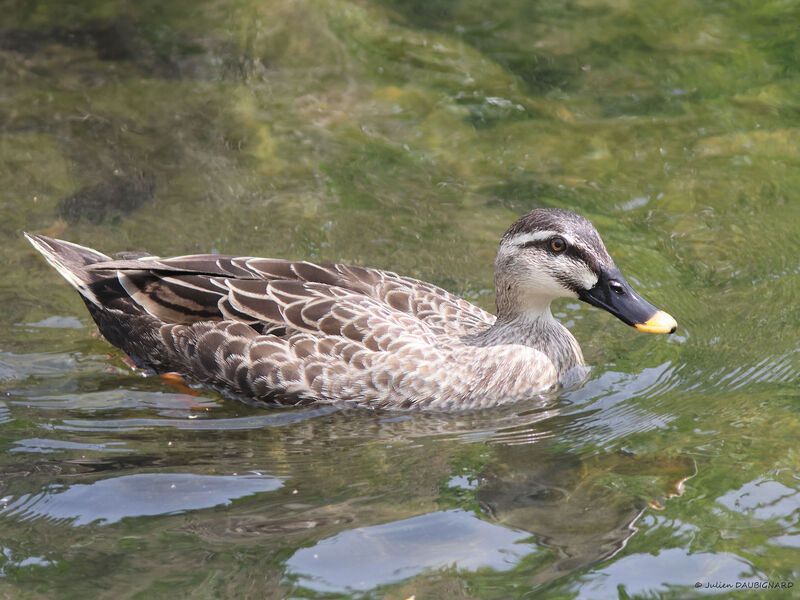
71, 261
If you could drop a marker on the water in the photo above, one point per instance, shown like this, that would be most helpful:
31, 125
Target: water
407, 136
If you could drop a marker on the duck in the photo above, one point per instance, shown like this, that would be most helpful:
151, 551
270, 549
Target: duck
279, 332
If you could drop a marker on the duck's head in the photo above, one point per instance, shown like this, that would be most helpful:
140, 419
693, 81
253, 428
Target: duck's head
551, 253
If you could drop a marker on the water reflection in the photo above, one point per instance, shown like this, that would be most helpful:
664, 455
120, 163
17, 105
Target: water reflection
531, 499
638, 574
194, 422
764, 499
395, 551
787, 541
20, 366
48, 446
569, 502
144, 494
5, 414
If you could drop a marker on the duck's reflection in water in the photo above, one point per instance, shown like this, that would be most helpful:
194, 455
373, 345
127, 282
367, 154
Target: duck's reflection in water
574, 505
572, 508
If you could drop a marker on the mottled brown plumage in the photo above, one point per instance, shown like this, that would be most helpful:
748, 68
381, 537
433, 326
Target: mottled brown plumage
294, 332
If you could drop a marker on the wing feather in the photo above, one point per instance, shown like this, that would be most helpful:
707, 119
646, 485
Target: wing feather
288, 281
262, 308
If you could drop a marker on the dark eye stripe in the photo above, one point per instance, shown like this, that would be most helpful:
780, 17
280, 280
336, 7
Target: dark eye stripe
547, 244
572, 251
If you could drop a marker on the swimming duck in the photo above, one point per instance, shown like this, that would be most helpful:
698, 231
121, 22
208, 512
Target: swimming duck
294, 332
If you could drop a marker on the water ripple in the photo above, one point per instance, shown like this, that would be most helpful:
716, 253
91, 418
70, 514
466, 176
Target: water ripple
47, 446
116, 399
20, 366
268, 419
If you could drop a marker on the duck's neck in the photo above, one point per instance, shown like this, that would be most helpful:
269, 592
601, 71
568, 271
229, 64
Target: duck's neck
536, 329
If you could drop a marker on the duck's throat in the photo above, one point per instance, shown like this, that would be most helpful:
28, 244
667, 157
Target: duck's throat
538, 330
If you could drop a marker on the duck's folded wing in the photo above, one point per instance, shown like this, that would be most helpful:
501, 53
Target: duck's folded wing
195, 282
216, 291
322, 309
444, 312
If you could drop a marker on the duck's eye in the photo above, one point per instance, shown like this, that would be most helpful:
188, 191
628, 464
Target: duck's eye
558, 244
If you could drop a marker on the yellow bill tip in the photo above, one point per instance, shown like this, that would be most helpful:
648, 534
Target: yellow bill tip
660, 322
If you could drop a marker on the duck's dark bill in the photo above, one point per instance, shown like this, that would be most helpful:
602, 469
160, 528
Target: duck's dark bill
613, 293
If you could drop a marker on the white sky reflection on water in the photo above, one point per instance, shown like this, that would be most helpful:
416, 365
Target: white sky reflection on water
398, 550
143, 494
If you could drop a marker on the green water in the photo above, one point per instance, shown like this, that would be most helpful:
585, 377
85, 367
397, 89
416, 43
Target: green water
407, 136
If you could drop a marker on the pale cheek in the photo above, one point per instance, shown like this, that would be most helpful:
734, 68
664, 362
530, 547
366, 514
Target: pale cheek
539, 284
586, 279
